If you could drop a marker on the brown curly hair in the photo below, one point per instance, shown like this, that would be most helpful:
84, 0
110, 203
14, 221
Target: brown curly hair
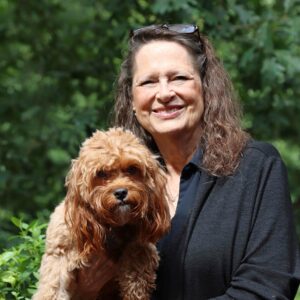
223, 138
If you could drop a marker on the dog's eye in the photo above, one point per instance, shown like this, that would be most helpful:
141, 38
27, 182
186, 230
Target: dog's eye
102, 174
132, 170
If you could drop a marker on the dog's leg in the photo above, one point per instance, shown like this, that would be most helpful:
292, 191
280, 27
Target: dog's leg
137, 272
57, 277
58, 262
54, 278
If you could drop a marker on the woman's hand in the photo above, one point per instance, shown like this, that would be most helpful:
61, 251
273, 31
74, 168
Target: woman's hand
92, 278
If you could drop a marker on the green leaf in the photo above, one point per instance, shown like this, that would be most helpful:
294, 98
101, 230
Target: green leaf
58, 156
272, 71
17, 222
8, 278
6, 256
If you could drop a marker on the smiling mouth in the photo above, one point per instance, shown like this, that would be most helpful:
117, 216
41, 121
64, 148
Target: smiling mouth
169, 111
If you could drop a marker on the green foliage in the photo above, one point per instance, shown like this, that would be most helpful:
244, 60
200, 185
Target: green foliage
59, 61
19, 264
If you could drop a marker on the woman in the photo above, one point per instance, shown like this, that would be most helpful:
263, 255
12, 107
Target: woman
232, 234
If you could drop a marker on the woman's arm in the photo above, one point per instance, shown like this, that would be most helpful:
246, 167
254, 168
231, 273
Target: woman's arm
270, 268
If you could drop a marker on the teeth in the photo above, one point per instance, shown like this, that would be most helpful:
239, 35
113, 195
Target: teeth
167, 110
172, 109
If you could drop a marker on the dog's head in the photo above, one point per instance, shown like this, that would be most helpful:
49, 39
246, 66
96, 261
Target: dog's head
115, 181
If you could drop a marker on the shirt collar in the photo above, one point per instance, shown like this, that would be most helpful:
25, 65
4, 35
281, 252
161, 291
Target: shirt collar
197, 158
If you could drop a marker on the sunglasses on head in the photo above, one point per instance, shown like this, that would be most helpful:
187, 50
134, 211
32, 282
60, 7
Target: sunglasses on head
179, 28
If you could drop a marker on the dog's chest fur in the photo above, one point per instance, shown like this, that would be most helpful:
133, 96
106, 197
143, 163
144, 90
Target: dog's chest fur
118, 238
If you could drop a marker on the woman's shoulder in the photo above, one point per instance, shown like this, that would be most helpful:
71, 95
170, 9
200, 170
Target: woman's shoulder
260, 148
259, 155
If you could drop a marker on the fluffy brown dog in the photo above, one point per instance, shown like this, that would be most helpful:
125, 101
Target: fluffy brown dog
116, 202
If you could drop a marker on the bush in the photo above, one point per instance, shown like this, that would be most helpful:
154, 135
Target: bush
19, 264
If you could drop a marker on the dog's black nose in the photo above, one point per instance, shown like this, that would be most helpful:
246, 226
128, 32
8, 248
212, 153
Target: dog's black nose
121, 194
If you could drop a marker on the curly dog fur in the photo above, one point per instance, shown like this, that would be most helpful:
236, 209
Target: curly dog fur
116, 202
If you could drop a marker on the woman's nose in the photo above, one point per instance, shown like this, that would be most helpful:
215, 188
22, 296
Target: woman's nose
164, 93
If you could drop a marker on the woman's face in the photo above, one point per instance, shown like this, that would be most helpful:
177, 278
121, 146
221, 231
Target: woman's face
167, 89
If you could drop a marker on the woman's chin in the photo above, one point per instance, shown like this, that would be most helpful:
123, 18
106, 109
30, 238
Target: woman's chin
166, 131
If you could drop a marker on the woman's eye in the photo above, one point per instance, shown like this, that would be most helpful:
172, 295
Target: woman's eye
180, 78
147, 82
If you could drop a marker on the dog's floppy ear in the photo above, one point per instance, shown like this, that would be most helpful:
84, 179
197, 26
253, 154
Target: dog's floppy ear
79, 216
158, 215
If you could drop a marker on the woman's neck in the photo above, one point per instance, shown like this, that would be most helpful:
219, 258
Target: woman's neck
177, 150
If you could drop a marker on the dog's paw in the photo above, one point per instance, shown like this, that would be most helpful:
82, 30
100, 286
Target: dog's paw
137, 271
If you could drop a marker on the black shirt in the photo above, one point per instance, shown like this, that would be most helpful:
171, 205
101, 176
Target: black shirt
232, 237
